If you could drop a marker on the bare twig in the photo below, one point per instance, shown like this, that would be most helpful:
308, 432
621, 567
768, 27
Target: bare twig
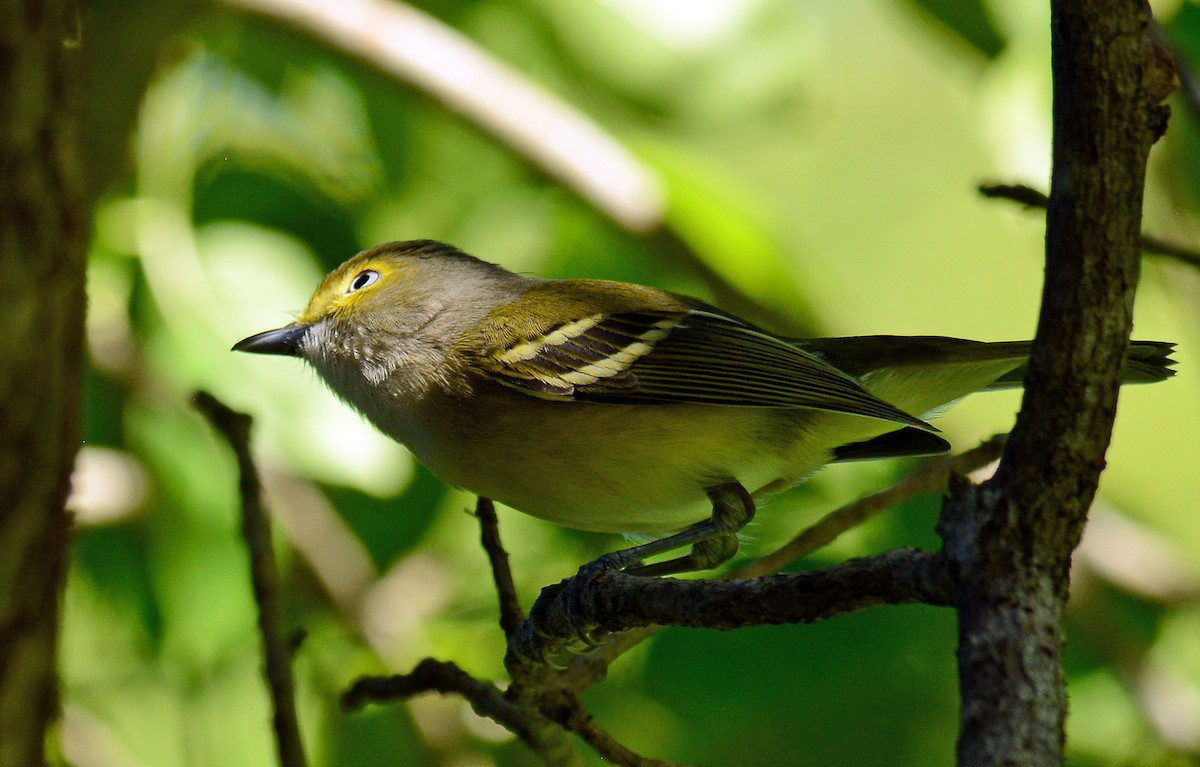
1026, 195
1032, 198
927, 478
532, 684
264, 574
569, 712
441, 677
511, 614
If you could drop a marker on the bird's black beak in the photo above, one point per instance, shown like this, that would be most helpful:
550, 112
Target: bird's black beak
285, 341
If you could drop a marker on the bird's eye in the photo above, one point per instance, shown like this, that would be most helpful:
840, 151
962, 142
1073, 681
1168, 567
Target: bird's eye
362, 280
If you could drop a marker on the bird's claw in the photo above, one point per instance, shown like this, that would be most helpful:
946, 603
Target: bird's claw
555, 617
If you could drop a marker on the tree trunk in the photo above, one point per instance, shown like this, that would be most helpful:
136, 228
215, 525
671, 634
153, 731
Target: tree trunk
42, 245
1010, 540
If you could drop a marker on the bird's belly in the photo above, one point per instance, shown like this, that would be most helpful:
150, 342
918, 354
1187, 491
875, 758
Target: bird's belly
613, 468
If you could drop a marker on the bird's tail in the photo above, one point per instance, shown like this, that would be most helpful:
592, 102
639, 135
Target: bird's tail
1145, 362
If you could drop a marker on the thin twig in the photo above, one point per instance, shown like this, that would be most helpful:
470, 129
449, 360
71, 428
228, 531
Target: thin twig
570, 712
1026, 195
1032, 198
264, 575
444, 678
531, 683
926, 479
511, 614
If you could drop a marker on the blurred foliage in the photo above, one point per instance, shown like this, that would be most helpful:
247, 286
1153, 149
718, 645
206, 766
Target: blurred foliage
967, 20
820, 157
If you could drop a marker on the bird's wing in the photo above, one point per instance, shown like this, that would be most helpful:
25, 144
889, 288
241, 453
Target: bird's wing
700, 355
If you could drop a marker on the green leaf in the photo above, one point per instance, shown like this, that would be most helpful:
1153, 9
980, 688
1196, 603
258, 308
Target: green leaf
967, 20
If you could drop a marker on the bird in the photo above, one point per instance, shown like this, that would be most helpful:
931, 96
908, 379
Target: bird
624, 408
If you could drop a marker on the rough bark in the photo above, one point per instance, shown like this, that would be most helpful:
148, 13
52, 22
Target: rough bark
41, 348
1010, 540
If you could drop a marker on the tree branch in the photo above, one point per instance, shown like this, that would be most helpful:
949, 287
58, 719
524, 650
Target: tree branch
511, 614
441, 677
614, 601
1032, 198
264, 575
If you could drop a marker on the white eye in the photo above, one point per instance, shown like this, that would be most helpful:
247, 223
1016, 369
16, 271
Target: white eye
362, 279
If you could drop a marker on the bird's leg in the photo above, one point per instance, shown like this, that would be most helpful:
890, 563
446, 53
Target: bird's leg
713, 541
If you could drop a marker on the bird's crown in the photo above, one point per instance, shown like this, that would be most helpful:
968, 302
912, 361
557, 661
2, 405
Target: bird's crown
383, 273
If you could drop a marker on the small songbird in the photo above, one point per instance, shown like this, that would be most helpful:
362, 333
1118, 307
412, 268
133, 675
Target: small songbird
617, 407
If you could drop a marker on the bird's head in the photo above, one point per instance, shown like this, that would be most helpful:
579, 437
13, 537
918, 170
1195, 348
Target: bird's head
397, 306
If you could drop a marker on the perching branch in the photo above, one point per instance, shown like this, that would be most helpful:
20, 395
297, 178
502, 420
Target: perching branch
915, 579
615, 602
234, 427
592, 666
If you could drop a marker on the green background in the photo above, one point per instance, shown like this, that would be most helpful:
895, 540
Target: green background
820, 157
